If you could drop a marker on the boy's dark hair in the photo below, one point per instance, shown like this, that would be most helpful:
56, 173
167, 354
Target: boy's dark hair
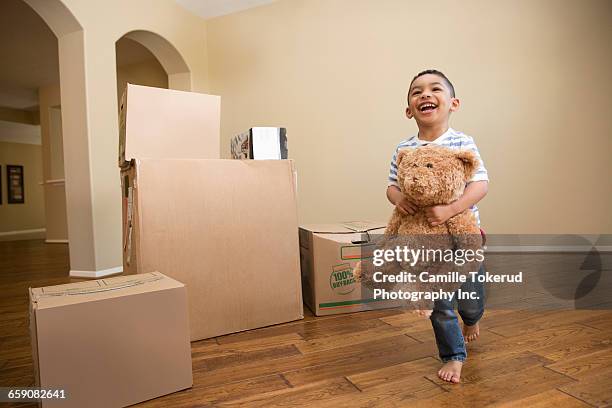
438, 73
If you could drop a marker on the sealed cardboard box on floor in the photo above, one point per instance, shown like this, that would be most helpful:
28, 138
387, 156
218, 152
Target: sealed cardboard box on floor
111, 342
227, 229
328, 254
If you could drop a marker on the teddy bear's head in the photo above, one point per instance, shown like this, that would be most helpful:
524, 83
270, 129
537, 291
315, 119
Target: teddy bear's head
434, 175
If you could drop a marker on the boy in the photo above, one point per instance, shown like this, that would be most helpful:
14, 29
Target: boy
431, 99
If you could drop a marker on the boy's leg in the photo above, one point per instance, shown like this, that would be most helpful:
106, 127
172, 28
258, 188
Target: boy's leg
471, 310
449, 339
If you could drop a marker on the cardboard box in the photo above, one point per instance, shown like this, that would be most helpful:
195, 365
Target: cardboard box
260, 143
111, 342
165, 123
328, 254
227, 229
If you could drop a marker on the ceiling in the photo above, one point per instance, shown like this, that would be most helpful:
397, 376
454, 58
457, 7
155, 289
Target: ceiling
215, 8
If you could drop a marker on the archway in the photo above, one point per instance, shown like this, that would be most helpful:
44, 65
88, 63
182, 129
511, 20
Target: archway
57, 16
135, 64
179, 74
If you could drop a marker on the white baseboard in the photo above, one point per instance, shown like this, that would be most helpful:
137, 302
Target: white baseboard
96, 274
547, 248
38, 233
56, 241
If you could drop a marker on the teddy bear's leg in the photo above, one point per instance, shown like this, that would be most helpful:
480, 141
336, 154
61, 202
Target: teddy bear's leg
467, 239
364, 269
465, 231
364, 273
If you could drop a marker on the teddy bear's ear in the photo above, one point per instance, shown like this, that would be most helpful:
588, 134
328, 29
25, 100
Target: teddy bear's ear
400, 156
470, 162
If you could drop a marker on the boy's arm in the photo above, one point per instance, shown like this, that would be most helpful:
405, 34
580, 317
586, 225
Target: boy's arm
474, 192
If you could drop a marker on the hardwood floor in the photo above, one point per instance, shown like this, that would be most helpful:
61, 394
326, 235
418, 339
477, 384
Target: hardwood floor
544, 357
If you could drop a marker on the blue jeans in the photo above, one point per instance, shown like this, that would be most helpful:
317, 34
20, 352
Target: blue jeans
449, 337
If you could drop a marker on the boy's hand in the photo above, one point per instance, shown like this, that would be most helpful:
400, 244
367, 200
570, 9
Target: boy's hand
405, 206
400, 201
439, 214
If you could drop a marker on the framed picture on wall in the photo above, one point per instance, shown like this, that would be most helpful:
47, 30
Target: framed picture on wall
14, 184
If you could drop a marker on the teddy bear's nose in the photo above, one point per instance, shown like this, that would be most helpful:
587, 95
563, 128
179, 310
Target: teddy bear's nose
415, 178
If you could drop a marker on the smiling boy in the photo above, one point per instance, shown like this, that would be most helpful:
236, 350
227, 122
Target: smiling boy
431, 99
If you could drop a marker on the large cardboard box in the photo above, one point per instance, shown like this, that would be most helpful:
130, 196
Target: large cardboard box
111, 342
170, 124
328, 255
228, 229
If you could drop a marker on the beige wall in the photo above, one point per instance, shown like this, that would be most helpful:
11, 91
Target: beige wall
148, 73
533, 78
31, 214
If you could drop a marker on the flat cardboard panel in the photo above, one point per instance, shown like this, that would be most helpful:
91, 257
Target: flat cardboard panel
327, 262
347, 227
117, 344
228, 229
165, 123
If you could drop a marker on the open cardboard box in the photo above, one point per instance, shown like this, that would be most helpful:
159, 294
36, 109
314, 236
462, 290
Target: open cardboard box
328, 255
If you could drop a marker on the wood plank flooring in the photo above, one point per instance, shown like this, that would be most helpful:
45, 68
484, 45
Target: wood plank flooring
383, 358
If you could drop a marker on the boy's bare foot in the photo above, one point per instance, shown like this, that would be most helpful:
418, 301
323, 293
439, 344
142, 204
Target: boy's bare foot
451, 371
423, 312
471, 333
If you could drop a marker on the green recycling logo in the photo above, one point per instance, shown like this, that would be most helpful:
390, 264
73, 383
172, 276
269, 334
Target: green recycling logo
341, 280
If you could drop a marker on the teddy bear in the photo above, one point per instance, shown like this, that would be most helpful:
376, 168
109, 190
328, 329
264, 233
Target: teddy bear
428, 176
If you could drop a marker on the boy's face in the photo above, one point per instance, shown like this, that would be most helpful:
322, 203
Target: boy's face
430, 101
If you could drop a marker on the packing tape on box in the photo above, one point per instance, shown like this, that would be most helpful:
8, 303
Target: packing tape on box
86, 291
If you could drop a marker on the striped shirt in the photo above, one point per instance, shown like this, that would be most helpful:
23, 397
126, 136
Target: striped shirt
451, 139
